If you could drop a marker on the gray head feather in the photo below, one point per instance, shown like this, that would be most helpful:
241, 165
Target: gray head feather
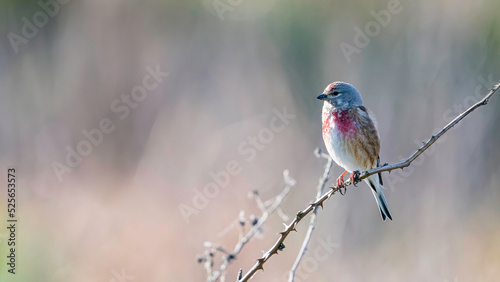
341, 95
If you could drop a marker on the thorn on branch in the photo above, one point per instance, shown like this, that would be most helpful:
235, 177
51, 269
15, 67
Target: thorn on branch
320, 204
281, 247
261, 262
299, 214
240, 275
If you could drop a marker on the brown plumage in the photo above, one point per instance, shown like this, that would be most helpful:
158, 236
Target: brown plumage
351, 137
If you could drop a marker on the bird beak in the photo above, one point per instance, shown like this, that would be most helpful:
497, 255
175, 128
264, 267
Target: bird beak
322, 97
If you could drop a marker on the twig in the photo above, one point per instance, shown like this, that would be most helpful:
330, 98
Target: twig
312, 224
319, 202
258, 200
209, 261
282, 214
289, 183
240, 273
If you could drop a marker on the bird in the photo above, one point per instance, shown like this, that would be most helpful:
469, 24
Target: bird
351, 137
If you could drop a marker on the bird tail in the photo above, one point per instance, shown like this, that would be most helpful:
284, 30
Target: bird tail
375, 183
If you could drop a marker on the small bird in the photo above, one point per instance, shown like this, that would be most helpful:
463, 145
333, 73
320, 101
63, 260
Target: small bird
351, 137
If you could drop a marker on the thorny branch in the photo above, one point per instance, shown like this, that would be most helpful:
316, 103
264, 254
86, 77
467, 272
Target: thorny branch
312, 224
319, 202
267, 210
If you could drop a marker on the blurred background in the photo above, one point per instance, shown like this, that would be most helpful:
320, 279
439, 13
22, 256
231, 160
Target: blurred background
138, 128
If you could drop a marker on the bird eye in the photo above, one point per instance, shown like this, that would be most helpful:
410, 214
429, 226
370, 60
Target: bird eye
335, 93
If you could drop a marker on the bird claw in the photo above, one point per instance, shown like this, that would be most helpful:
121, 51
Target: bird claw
342, 190
340, 184
354, 177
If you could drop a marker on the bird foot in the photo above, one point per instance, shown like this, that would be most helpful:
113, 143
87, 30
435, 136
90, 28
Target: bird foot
354, 177
340, 183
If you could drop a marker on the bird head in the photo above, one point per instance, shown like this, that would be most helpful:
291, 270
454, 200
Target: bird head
341, 95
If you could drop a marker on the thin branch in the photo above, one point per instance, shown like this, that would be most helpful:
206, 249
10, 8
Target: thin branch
408, 161
258, 200
240, 274
282, 214
209, 261
319, 202
312, 224
289, 183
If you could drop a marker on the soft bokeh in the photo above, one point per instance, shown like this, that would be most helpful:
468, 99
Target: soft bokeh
230, 70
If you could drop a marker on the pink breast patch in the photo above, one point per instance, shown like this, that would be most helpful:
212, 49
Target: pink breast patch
326, 124
345, 122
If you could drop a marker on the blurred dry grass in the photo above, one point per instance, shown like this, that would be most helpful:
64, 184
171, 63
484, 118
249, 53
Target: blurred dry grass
120, 208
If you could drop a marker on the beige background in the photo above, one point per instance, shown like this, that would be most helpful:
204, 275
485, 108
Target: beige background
119, 210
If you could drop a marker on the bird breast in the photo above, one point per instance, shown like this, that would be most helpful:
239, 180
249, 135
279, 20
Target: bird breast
351, 138
342, 123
